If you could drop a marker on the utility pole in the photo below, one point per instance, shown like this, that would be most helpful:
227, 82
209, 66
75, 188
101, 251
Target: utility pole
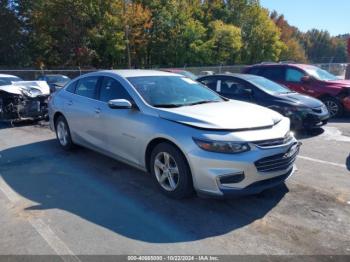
126, 32
347, 73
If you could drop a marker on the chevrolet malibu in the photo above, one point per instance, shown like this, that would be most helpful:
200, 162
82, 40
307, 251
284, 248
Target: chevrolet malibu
187, 136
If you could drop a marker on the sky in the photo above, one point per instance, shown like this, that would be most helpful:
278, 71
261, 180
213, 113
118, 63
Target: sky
330, 15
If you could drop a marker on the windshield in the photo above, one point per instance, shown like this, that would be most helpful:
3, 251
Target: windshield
8, 80
268, 85
320, 74
173, 91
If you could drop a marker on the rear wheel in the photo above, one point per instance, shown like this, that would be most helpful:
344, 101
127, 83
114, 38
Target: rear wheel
63, 133
171, 171
334, 106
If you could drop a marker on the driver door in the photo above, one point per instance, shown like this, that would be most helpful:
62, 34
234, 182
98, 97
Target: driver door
294, 81
120, 128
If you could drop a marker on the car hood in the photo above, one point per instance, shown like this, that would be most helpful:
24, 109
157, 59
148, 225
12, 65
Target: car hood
230, 115
299, 100
338, 83
27, 88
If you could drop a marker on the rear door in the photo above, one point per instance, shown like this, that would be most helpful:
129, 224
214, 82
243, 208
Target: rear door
211, 82
80, 111
234, 88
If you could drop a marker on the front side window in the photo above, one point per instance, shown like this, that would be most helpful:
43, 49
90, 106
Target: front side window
294, 75
112, 89
173, 91
87, 87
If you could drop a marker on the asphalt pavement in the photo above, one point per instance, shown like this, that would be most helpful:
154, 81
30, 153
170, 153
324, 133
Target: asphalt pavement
81, 203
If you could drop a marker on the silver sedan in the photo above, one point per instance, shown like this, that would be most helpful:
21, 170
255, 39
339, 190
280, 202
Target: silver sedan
188, 137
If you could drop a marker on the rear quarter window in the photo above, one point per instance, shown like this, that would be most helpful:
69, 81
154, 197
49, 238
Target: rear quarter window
253, 71
273, 73
71, 87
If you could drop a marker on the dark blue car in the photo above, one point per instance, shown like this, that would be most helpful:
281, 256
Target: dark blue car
304, 111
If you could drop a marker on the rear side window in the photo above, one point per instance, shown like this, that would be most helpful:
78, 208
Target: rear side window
294, 75
112, 89
273, 73
87, 87
210, 82
232, 87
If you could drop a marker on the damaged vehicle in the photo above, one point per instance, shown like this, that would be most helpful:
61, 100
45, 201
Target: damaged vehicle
24, 100
187, 136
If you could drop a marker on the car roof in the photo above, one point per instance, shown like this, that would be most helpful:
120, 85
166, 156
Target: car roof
173, 70
238, 75
138, 72
297, 65
54, 75
4, 75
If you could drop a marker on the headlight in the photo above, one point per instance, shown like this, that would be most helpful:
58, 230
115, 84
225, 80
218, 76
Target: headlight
221, 146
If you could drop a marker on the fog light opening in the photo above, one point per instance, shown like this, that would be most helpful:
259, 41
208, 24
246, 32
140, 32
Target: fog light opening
232, 178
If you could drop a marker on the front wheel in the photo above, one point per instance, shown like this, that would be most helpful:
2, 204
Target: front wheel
63, 133
334, 106
171, 171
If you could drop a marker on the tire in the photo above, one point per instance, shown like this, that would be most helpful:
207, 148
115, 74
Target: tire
164, 171
63, 133
335, 108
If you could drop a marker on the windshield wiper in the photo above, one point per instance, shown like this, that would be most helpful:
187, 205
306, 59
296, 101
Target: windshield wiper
202, 102
168, 105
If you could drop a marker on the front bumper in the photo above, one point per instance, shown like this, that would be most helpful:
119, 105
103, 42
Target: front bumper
308, 120
209, 168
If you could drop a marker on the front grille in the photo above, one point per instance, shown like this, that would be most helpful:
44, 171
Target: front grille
276, 163
274, 142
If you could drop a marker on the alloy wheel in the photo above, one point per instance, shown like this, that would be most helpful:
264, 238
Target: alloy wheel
167, 171
62, 133
332, 107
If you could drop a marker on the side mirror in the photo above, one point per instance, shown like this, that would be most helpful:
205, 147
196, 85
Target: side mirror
119, 104
306, 79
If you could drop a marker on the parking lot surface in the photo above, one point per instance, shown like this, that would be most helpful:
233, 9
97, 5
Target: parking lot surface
81, 202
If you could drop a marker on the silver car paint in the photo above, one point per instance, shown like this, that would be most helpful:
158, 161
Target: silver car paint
125, 134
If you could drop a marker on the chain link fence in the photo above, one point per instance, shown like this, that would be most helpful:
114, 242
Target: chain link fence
31, 74
338, 69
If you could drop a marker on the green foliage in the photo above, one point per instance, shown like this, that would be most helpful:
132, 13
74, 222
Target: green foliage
293, 50
261, 36
224, 43
322, 48
151, 33
11, 38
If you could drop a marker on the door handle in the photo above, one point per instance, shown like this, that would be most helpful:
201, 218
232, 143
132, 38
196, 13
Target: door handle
98, 110
70, 102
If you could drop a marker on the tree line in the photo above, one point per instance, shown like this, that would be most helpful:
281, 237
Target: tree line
154, 33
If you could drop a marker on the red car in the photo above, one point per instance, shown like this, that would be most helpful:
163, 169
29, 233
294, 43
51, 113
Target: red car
309, 80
